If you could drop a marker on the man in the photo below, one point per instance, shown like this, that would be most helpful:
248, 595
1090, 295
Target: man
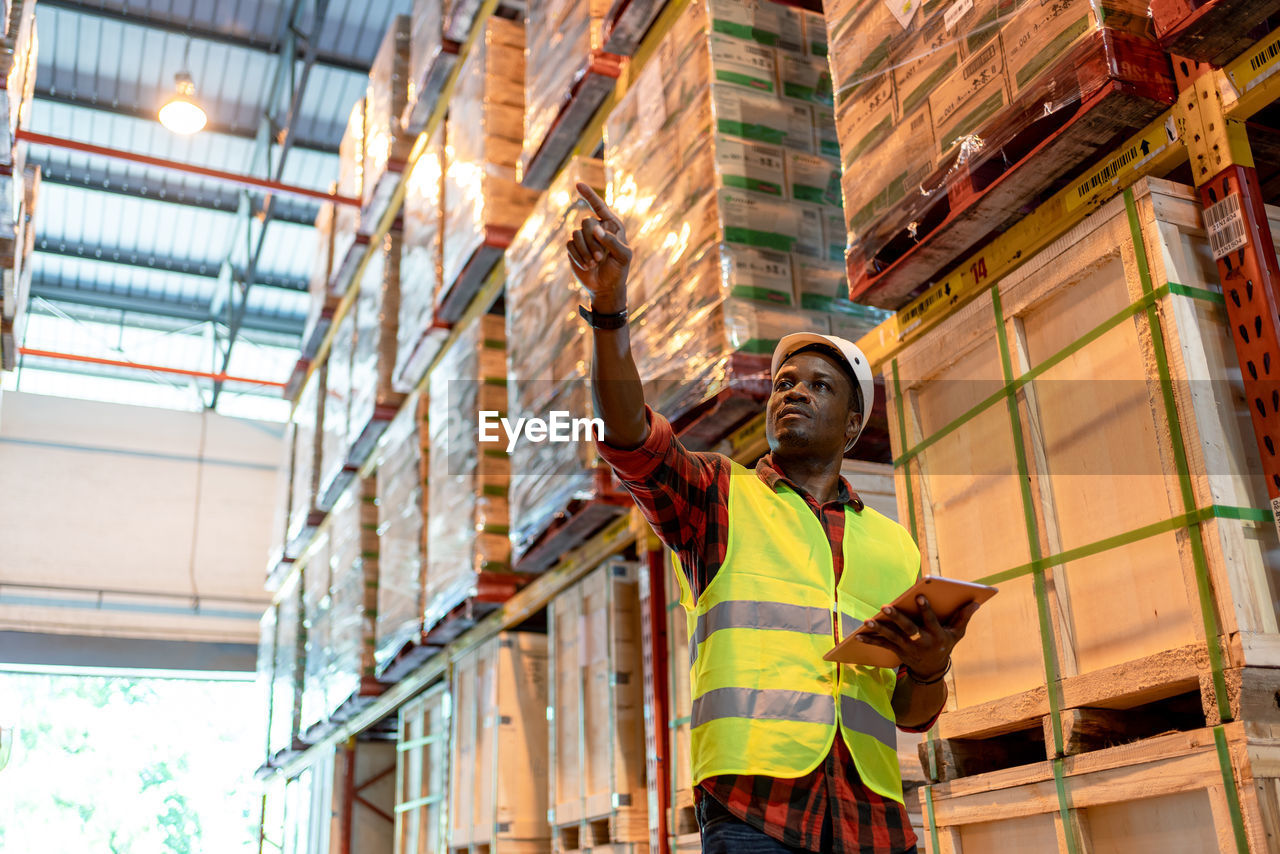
789, 752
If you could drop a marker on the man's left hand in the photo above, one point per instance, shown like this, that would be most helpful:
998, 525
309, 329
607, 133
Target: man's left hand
923, 645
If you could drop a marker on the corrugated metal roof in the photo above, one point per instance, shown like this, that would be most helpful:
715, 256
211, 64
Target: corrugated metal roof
135, 242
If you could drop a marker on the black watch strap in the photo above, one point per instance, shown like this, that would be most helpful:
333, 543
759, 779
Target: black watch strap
603, 321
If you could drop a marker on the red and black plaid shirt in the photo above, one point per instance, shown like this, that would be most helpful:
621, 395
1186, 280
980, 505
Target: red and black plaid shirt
685, 497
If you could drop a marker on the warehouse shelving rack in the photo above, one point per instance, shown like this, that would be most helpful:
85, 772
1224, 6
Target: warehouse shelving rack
1205, 129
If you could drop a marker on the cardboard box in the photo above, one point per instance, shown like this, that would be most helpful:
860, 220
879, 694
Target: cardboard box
761, 21
975, 24
751, 166
887, 172
812, 178
753, 220
810, 240
762, 118
866, 119
833, 232
737, 62
758, 274
826, 139
821, 285
815, 34
921, 60
1039, 35
969, 96
861, 33
804, 78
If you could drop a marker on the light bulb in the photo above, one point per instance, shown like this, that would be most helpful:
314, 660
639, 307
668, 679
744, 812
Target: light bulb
181, 114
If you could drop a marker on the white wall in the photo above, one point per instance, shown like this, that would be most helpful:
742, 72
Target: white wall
152, 505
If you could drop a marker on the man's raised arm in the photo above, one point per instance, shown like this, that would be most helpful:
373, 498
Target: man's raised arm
601, 260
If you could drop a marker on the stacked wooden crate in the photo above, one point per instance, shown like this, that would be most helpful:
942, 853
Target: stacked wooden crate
498, 749
560, 492
597, 788
953, 118
483, 203
422, 773
403, 458
713, 156
468, 562
1081, 440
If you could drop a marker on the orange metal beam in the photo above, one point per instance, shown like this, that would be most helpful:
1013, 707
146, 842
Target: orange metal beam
97, 360
188, 168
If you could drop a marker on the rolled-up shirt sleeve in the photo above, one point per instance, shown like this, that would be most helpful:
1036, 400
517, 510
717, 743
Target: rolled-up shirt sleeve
682, 493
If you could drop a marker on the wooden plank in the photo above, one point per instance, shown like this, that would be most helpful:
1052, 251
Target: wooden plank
422, 773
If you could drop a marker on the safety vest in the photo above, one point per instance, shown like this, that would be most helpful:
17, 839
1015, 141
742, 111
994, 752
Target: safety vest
764, 701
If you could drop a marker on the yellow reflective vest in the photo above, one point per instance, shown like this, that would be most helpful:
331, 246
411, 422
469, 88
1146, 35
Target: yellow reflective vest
764, 701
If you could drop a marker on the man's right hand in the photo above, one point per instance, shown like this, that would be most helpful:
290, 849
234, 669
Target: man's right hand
600, 255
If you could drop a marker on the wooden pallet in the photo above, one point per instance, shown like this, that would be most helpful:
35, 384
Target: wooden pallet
406, 659
1165, 793
628, 23
594, 83
366, 438
1124, 82
492, 589
703, 423
581, 519
474, 272
596, 784
1214, 31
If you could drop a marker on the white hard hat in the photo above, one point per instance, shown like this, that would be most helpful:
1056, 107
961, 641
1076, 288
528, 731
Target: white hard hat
853, 359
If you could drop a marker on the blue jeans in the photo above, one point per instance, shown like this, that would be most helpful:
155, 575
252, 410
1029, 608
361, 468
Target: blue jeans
725, 833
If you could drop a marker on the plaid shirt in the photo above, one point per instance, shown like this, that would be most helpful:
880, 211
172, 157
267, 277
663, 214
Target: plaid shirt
685, 497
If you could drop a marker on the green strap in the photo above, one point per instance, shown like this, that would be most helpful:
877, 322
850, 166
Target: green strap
933, 825
1233, 797
1052, 684
1183, 520
1208, 608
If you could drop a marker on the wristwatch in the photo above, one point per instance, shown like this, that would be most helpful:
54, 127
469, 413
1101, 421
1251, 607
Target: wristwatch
603, 321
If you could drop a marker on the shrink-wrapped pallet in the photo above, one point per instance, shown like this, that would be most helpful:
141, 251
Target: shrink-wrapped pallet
483, 203
718, 177
288, 663
323, 299
386, 145
315, 613
346, 220
568, 75
934, 105
430, 60
548, 354
402, 503
499, 733
284, 495
377, 313
336, 438
264, 671
308, 421
353, 598
18, 51
418, 335
467, 516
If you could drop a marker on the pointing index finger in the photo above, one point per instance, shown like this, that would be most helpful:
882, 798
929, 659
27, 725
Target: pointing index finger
597, 204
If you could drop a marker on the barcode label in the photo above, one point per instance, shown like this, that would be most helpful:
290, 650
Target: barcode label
1225, 224
1275, 513
953, 15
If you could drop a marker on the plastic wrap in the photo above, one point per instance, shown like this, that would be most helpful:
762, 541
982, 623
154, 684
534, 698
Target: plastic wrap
941, 98
18, 57
377, 313
287, 670
548, 352
386, 146
314, 605
418, 337
482, 146
716, 170
336, 438
467, 516
308, 422
322, 299
346, 221
561, 35
402, 504
426, 43
353, 592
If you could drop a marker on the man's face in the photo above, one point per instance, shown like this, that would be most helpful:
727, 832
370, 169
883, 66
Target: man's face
810, 408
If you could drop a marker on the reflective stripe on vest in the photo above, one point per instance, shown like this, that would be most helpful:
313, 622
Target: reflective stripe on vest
862, 716
772, 703
771, 616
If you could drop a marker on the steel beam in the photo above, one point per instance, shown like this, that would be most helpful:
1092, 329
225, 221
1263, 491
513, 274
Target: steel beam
200, 33
142, 366
104, 102
185, 266
161, 188
58, 291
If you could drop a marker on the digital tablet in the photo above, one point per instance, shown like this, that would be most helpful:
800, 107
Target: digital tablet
946, 596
